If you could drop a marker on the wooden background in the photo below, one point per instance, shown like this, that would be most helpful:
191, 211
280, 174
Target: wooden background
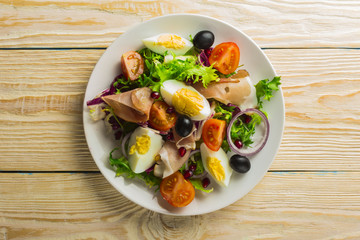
50, 187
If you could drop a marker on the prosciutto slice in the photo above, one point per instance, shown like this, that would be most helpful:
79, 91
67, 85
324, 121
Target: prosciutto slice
187, 142
171, 160
238, 89
132, 106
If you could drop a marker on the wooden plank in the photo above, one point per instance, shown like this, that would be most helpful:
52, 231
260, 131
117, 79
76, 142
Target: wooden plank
322, 126
41, 94
84, 206
41, 109
76, 23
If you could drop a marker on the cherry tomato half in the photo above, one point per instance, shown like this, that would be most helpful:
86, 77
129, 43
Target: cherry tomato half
213, 133
159, 118
225, 57
176, 190
132, 65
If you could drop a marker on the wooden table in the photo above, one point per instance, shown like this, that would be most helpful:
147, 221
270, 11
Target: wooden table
50, 187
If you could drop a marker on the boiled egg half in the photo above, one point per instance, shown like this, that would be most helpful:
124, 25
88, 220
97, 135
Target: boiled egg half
144, 145
167, 42
185, 99
216, 164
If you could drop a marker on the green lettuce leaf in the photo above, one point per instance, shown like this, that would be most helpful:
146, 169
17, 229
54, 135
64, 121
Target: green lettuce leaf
123, 169
198, 185
265, 88
223, 112
245, 131
158, 71
195, 159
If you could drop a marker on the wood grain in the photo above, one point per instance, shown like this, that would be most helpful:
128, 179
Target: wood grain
41, 94
50, 187
84, 206
76, 23
322, 126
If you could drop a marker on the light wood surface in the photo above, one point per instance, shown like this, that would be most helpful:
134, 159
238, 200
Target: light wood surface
85, 206
50, 187
77, 23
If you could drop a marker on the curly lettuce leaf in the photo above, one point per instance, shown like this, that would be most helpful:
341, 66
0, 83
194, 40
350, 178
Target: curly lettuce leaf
123, 169
265, 89
245, 131
223, 112
158, 71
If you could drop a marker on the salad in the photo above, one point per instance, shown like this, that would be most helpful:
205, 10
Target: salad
185, 114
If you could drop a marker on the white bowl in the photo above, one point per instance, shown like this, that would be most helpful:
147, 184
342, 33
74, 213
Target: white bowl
254, 61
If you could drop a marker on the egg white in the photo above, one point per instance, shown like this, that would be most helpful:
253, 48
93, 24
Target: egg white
170, 87
140, 162
152, 44
224, 161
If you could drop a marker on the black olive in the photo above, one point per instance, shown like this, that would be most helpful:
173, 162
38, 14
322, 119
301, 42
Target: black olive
203, 39
183, 125
239, 163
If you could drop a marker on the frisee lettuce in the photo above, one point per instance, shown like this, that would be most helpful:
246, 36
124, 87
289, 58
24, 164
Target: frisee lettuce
123, 169
265, 88
240, 130
245, 131
122, 85
223, 112
157, 71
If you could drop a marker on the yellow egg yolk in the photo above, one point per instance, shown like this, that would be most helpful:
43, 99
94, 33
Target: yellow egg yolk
215, 168
187, 102
170, 41
142, 145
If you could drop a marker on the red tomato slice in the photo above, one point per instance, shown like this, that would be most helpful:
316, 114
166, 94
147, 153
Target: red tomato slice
132, 65
213, 133
176, 190
225, 57
169, 183
159, 118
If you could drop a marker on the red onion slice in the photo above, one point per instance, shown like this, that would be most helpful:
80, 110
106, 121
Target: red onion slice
255, 149
123, 143
200, 175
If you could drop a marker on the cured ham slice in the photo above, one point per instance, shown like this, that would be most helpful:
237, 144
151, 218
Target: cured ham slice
187, 142
238, 89
171, 160
132, 106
